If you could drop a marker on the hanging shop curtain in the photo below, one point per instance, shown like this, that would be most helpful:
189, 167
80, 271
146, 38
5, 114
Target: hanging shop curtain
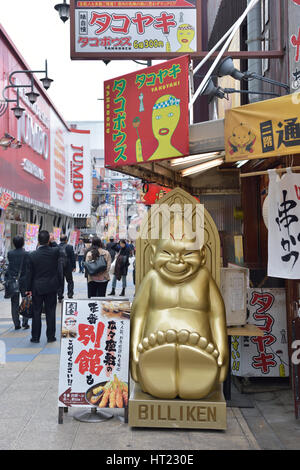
284, 225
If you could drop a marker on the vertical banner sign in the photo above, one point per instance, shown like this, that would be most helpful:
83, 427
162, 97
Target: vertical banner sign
56, 234
146, 114
94, 358
284, 225
5, 199
31, 237
267, 355
135, 29
265, 129
2, 238
74, 237
294, 46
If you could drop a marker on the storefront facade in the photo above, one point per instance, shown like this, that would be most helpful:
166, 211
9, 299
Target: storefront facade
46, 170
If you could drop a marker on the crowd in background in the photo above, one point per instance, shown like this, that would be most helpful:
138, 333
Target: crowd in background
41, 275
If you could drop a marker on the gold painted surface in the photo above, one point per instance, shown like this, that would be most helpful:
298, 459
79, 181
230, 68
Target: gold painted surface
178, 326
146, 411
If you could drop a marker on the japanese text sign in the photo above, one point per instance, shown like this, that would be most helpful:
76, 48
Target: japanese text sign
126, 29
267, 355
283, 225
265, 129
94, 360
31, 237
5, 199
146, 114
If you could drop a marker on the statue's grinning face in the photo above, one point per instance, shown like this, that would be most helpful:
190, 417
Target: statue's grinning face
176, 260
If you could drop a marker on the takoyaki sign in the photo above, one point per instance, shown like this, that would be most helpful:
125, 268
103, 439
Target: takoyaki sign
122, 29
94, 360
146, 114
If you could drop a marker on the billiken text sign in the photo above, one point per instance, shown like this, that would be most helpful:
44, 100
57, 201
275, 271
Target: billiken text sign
159, 29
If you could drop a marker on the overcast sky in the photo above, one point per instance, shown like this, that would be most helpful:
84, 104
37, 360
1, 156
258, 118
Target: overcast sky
38, 33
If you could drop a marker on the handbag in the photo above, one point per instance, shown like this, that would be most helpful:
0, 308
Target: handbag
25, 308
12, 285
96, 266
112, 267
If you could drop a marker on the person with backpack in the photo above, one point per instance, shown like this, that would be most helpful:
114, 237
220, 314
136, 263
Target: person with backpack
69, 267
97, 283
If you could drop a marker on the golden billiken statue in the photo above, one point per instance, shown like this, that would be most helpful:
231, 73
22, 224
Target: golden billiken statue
178, 337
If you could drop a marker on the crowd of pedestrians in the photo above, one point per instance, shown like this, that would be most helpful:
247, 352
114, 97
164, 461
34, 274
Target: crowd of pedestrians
41, 275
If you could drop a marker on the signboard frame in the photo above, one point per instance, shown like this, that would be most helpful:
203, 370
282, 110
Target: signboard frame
97, 333
278, 51
133, 55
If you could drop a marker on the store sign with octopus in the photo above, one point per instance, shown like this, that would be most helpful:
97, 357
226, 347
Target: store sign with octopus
146, 114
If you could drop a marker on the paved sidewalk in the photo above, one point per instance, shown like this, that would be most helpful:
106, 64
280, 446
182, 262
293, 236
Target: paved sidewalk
29, 412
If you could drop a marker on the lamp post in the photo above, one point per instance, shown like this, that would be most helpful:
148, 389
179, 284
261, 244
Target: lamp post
63, 10
226, 67
32, 95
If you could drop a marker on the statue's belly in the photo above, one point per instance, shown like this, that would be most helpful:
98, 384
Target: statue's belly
178, 319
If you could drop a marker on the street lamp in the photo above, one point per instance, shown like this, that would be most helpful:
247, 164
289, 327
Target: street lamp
212, 91
226, 67
32, 95
63, 10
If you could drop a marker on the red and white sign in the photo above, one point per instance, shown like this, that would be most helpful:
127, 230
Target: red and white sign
94, 358
267, 355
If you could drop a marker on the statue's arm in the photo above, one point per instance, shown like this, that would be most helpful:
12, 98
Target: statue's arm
218, 327
138, 314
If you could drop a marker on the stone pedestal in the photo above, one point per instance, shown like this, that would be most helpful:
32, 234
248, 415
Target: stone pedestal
147, 411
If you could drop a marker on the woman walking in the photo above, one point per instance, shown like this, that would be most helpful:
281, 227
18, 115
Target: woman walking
97, 284
121, 268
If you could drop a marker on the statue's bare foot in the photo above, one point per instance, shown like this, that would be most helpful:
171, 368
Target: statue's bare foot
180, 364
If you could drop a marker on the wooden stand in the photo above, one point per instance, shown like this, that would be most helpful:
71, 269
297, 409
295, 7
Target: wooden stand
147, 411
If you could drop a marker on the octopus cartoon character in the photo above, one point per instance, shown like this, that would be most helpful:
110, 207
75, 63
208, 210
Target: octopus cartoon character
165, 118
185, 35
241, 140
178, 333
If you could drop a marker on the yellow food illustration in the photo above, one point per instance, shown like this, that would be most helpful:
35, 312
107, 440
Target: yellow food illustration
113, 394
165, 118
185, 35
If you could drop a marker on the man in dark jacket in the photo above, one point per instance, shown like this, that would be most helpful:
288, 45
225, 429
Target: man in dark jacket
17, 262
112, 247
44, 275
69, 266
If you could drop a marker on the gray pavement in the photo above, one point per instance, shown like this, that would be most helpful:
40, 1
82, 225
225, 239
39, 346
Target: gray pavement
29, 406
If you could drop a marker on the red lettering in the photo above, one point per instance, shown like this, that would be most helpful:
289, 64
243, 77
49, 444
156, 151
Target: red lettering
78, 195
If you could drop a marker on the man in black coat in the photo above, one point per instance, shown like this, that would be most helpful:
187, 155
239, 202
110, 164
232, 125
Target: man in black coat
44, 276
17, 263
112, 247
69, 266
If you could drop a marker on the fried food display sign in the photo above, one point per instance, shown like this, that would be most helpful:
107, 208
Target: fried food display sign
94, 359
265, 129
146, 114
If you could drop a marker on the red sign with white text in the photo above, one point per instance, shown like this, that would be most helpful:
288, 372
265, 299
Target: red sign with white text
146, 114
